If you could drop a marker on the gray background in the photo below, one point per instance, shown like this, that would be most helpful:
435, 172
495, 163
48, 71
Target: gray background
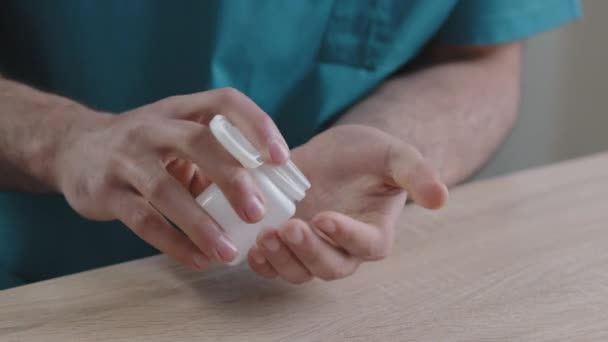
564, 112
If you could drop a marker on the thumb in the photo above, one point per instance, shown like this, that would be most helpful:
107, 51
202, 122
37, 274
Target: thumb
408, 170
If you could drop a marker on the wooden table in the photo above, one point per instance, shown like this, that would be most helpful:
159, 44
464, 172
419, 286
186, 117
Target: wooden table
518, 258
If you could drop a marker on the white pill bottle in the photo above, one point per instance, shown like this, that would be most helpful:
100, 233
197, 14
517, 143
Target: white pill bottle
281, 185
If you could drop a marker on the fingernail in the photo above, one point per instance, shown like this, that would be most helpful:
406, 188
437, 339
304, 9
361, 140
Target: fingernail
294, 234
226, 249
431, 194
326, 226
279, 153
200, 261
271, 244
254, 209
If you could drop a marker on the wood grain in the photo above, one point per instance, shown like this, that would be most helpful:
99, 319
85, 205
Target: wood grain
518, 258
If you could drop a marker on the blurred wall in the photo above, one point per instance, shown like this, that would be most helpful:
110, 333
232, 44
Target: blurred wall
564, 112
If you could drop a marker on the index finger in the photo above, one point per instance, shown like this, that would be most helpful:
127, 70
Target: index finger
243, 112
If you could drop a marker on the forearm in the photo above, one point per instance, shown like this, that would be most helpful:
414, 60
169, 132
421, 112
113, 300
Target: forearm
455, 112
33, 125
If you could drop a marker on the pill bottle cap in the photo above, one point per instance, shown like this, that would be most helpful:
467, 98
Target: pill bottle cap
287, 176
289, 179
234, 142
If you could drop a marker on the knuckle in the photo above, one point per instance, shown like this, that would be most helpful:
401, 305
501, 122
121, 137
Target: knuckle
203, 233
410, 153
408, 149
109, 177
171, 104
266, 127
396, 151
309, 254
104, 186
173, 100
229, 95
197, 137
141, 222
117, 163
236, 178
265, 122
153, 186
136, 131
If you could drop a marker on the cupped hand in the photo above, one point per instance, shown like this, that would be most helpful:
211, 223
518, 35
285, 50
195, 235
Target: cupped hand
144, 166
361, 178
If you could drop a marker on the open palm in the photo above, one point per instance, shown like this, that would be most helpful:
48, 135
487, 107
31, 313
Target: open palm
347, 167
360, 180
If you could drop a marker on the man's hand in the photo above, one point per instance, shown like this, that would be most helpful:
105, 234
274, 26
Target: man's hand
360, 177
145, 165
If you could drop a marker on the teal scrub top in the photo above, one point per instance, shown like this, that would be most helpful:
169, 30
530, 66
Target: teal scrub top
303, 62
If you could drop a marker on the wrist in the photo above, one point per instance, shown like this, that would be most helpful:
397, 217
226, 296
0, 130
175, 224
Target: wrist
58, 129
